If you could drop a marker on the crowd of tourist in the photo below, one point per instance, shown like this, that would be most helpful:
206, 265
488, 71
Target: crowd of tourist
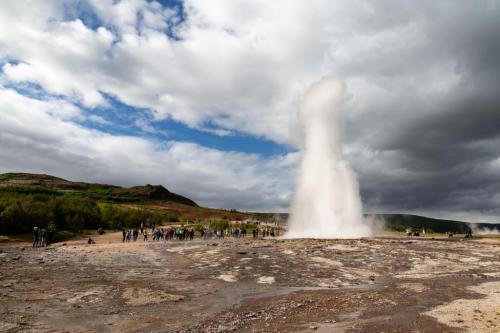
188, 233
42, 237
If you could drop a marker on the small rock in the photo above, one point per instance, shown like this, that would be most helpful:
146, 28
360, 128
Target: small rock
312, 327
251, 315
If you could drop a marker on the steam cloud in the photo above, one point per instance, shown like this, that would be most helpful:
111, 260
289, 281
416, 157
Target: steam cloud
327, 202
483, 230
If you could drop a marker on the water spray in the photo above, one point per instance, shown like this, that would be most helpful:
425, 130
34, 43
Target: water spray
327, 203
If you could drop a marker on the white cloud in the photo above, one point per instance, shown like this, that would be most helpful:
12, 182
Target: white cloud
413, 71
98, 120
239, 65
239, 71
36, 136
144, 125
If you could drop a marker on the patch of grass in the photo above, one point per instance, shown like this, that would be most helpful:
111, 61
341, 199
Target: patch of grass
28, 190
63, 235
15, 238
99, 190
6, 176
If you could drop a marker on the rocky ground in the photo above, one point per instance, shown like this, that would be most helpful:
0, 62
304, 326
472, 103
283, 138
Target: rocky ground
366, 285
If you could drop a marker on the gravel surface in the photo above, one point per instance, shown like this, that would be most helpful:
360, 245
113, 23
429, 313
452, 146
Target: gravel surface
242, 285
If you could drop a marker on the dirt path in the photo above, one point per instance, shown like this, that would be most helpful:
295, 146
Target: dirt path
367, 285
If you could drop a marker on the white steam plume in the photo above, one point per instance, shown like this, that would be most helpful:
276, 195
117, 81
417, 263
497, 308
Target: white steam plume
483, 230
327, 202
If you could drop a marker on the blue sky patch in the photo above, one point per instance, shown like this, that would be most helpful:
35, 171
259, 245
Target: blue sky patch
121, 120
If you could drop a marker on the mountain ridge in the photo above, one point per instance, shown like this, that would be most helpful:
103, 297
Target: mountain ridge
134, 193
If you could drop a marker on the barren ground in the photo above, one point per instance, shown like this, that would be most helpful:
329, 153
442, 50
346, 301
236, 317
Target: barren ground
367, 285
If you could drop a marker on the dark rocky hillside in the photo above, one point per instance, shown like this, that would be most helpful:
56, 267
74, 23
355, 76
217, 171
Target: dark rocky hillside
153, 192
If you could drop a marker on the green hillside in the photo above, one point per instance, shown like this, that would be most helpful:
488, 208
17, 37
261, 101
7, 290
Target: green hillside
29, 200
402, 221
96, 191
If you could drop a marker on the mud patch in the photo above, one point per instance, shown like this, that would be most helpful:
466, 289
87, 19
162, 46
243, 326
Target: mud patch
413, 287
326, 261
428, 267
92, 295
144, 296
343, 247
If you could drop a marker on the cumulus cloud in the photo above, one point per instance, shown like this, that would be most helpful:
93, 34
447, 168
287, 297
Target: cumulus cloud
421, 118
36, 136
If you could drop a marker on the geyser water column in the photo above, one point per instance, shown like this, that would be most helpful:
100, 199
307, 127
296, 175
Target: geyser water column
326, 202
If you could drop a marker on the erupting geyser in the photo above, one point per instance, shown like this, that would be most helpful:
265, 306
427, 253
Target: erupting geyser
327, 202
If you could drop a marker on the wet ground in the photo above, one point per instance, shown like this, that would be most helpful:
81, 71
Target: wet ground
235, 285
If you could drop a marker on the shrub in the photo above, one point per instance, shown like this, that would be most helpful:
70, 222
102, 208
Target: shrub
219, 224
22, 209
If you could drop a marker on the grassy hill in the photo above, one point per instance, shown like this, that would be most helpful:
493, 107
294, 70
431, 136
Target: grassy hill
28, 200
97, 191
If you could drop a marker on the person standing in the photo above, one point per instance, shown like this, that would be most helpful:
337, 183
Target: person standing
36, 236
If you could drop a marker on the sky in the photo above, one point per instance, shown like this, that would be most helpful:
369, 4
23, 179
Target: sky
203, 97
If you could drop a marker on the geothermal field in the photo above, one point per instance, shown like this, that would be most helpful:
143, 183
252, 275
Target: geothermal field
328, 272
249, 166
390, 284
